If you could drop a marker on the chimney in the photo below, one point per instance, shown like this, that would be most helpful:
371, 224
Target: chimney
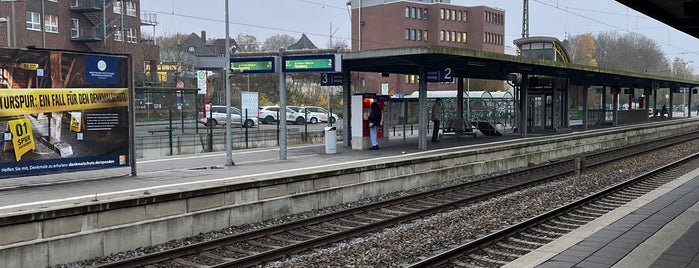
203, 36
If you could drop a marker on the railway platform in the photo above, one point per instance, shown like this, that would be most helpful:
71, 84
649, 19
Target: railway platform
659, 229
180, 196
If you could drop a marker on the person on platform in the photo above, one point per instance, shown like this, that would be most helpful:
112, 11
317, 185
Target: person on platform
436, 116
374, 122
663, 111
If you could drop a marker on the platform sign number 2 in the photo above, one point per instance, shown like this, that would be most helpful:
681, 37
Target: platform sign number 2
22, 138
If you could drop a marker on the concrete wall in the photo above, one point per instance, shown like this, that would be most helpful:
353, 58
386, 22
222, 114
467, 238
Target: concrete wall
48, 238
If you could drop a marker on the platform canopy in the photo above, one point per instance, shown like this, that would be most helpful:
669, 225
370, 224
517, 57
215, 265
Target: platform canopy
496, 66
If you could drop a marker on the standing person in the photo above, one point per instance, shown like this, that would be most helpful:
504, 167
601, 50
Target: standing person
374, 122
436, 116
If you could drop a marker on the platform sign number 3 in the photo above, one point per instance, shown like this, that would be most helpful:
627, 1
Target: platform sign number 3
21, 137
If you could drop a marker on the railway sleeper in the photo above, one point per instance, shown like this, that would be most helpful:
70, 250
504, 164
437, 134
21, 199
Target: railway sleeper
611, 204
486, 260
351, 222
595, 210
310, 236
580, 213
460, 263
620, 199
545, 233
519, 250
262, 245
214, 256
564, 224
505, 256
368, 219
239, 250
536, 238
354, 222
336, 226
524, 243
189, 263
317, 229
551, 229
284, 239
572, 221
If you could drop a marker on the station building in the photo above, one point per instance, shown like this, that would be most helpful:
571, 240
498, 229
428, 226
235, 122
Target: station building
109, 26
379, 24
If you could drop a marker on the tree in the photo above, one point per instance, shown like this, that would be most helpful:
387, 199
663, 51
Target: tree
681, 69
274, 43
247, 43
585, 50
170, 48
630, 52
340, 44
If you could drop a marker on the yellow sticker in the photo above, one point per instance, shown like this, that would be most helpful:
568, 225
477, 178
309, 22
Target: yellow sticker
29, 66
75, 122
22, 137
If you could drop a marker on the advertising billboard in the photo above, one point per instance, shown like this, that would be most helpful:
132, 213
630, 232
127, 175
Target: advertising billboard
62, 111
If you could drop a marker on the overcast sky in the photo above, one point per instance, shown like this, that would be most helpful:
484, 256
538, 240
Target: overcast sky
319, 18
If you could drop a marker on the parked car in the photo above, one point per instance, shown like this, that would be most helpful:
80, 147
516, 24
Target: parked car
268, 115
218, 117
320, 115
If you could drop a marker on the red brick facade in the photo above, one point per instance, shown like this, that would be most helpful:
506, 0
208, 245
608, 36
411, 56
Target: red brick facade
49, 24
416, 23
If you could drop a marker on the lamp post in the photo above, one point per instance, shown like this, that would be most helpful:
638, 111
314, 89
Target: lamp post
7, 21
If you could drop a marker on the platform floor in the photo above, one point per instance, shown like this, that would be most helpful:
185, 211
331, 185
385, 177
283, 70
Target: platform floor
659, 229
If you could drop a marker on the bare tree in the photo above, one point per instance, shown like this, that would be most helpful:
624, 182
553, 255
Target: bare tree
247, 43
274, 43
630, 52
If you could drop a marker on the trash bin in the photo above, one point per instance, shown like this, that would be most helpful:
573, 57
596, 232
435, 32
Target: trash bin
330, 140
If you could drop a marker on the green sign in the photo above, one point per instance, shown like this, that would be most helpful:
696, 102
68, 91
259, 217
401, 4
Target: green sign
253, 65
309, 63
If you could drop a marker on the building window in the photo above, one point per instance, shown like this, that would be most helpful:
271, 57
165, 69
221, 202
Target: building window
412, 13
464, 17
441, 35
53, 1
424, 13
117, 7
74, 28
407, 79
131, 36
464, 37
453, 14
441, 14
51, 23
412, 35
33, 21
419, 13
458, 37
458, 16
453, 36
407, 34
419, 35
407, 12
117, 35
446, 15
131, 9
73, 3
424, 35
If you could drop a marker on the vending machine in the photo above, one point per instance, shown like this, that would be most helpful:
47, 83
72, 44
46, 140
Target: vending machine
360, 109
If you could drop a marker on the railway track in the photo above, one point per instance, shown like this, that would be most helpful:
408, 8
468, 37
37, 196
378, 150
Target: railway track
276, 242
507, 245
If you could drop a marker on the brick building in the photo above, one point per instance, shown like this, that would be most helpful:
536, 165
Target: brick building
80, 25
380, 24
